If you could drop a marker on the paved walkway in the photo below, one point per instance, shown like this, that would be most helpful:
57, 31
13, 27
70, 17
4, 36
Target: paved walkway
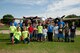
7, 32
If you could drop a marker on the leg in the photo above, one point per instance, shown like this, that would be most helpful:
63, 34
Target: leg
11, 35
31, 36
16, 40
48, 36
24, 41
27, 39
65, 38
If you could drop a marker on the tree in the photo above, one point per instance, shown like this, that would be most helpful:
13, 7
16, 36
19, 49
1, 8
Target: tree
73, 16
7, 18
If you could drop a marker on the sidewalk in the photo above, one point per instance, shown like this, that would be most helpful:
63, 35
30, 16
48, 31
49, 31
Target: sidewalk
7, 32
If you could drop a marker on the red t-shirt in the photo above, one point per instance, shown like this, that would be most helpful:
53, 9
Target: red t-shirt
30, 29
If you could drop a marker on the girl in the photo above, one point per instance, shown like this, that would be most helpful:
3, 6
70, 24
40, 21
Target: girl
60, 35
12, 30
17, 35
45, 33
25, 35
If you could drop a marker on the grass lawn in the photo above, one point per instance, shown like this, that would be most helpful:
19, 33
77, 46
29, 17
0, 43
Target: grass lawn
39, 47
4, 27
78, 28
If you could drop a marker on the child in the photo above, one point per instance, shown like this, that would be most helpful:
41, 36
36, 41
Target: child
40, 28
56, 27
35, 31
72, 31
30, 29
45, 33
17, 35
25, 35
66, 32
12, 30
50, 31
60, 35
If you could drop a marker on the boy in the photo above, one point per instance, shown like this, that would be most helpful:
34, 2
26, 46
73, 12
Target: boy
72, 31
56, 27
17, 35
30, 29
50, 31
12, 30
66, 32
40, 28
25, 35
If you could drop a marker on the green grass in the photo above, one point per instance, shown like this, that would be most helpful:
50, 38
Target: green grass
4, 27
78, 28
38, 47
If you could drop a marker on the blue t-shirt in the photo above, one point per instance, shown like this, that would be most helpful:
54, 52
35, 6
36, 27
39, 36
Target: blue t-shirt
15, 24
61, 23
50, 28
20, 24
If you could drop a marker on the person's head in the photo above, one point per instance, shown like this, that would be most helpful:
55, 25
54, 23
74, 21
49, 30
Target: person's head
52, 23
73, 23
23, 24
30, 24
44, 27
12, 24
66, 25
61, 20
24, 28
56, 24
18, 29
39, 23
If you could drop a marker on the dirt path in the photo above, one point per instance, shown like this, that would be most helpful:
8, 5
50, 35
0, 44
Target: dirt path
7, 32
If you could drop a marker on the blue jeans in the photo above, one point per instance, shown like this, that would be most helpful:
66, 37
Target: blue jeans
31, 35
26, 39
40, 35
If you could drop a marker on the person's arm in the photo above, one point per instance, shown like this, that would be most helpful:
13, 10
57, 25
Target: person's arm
28, 35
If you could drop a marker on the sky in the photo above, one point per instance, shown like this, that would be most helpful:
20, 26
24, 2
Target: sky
42, 8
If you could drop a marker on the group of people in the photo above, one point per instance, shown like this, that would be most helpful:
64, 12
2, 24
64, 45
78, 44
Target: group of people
52, 31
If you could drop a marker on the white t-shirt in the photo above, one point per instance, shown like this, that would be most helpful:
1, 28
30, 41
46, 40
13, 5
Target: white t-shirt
45, 31
56, 29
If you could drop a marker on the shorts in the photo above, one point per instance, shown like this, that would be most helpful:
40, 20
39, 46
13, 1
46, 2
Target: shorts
60, 35
55, 35
72, 35
16, 40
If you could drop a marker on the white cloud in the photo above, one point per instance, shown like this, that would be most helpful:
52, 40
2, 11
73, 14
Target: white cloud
56, 9
61, 4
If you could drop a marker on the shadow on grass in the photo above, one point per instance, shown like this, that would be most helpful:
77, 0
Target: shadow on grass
9, 43
4, 40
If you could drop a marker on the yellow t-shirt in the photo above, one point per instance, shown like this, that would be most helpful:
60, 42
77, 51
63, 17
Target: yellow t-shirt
12, 29
40, 28
25, 34
17, 35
